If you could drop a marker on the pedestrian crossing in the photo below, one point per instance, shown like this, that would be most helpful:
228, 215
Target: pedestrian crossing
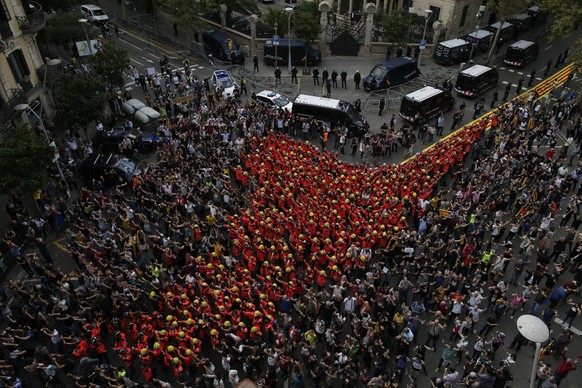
129, 86
565, 326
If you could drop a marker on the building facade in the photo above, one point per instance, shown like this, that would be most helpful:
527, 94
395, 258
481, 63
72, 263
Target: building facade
20, 59
458, 17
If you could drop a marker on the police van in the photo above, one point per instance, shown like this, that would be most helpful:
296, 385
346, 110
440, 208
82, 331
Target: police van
521, 53
507, 31
452, 51
336, 112
391, 73
425, 104
473, 81
481, 39
522, 22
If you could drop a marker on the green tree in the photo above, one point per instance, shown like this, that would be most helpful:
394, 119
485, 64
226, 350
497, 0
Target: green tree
394, 27
276, 16
187, 14
79, 100
245, 7
504, 9
24, 157
305, 21
566, 17
109, 63
63, 29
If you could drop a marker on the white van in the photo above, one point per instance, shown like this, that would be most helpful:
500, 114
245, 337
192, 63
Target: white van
94, 14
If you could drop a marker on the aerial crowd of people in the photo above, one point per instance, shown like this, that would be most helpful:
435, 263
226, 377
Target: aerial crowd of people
246, 252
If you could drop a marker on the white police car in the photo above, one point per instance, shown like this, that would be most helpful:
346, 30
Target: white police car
224, 83
272, 98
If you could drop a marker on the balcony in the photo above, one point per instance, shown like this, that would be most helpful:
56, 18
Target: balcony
7, 109
35, 19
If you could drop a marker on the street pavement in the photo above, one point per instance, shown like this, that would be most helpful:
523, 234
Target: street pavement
145, 53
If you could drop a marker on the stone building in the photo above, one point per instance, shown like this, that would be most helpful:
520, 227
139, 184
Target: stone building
21, 64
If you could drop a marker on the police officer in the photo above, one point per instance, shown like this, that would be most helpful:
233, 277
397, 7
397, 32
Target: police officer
382, 105
277, 75
324, 76
357, 79
334, 78
315, 73
294, 74
344, 77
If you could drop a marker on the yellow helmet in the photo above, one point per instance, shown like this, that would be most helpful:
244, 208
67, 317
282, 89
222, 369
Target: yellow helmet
189, 321
227, 323
254, 329
162, 333
195, 341
188, 352
152, 294
257, 313
176, 360
156, 345
213, 332
204, 304
183, 296
169, 318
170, 348
144, 351
322, 272
181, 334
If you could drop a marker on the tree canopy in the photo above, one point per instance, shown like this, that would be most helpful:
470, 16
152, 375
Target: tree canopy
566, 17
504, 10
305, 21
79, 100
394, 27
63, 28
24, 157
109, 64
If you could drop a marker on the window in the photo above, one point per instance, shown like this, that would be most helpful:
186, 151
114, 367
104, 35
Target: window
18, 66
4, 14
464, 16
436, 13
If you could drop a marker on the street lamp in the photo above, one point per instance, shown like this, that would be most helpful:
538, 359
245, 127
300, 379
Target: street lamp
410, 12
276, 43
534, 330
289, 11
28, 109
84, 23
428, 13
50, 63
474, 39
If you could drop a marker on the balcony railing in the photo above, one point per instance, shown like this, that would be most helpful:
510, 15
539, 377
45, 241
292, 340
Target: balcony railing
7, 110
34, 20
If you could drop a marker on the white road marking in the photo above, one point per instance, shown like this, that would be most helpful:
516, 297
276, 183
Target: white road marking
147, 60
502, 68
511, 71
131, 44
572, 329
538, 78
139, 63
504, 82
520, 73
547, 48
154, 55
129, 84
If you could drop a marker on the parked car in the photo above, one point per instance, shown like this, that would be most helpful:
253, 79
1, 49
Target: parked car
223, 81
124, 140
111, 169
274, 99
94, 14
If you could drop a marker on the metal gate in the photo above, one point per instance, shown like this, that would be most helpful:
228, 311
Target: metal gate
345, 45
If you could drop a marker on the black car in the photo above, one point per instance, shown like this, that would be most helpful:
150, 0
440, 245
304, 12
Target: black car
124, 140
111, 169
